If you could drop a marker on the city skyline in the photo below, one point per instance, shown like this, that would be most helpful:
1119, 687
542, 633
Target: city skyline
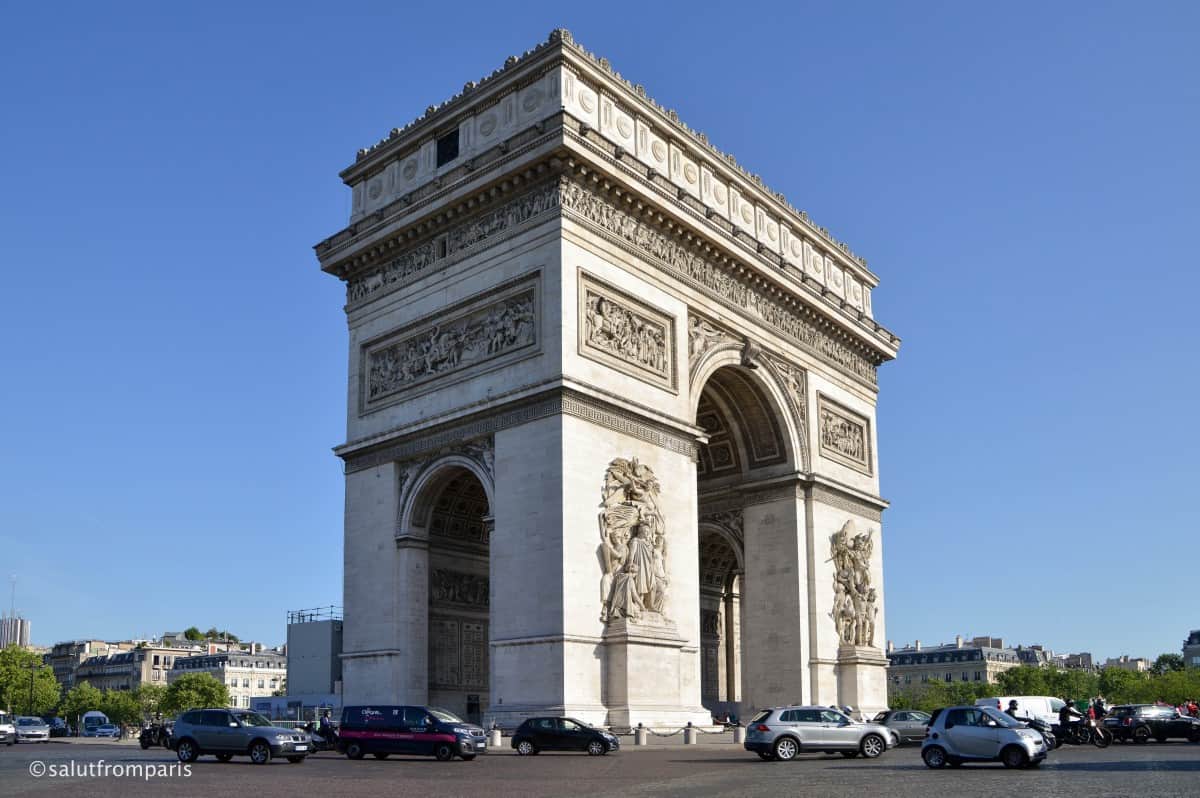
177, 412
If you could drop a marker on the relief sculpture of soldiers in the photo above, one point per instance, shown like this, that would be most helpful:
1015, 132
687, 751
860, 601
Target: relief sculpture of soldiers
632, 543
854, 607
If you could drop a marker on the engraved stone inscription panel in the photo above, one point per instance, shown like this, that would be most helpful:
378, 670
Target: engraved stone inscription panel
497, 327
845, 436
621, 332
474, 654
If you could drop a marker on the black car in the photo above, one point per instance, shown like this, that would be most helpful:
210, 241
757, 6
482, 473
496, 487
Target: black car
562, 734
382, 730
1140, 722
58, 727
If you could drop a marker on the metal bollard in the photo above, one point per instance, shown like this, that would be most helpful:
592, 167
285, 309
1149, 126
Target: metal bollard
494, 738
739, 734
690, 734
639, 735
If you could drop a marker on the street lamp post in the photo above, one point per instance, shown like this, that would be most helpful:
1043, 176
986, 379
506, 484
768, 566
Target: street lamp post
33, 668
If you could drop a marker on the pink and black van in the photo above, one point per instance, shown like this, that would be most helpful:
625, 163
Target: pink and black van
384, 729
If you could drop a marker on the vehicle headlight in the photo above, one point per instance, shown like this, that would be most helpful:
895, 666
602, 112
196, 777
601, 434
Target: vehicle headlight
462, 730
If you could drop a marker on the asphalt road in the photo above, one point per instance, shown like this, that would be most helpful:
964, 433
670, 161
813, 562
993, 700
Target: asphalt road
1162, 770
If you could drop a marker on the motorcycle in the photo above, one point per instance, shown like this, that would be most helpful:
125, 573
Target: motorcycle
319, 741
155, 734
1043, 728
1087, 730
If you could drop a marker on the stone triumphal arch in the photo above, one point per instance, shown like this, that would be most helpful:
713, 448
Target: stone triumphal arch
611, 439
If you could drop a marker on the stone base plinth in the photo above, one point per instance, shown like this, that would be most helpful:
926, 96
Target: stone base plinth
862, 679
644, 663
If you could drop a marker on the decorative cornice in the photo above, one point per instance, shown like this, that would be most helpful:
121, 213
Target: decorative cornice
843, 501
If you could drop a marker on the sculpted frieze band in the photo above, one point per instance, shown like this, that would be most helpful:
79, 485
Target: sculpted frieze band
454, 587
418, 260
687, 264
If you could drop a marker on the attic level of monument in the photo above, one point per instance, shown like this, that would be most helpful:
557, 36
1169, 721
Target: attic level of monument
559, 105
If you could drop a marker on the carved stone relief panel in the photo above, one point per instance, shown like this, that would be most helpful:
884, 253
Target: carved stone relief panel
710, 623
626, 334
455, 588
498, 326
855, 600
704, 337
633, 544
845, 435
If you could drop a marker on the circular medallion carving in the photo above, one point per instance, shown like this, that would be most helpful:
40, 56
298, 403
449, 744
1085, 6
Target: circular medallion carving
689, 173
587, 100
488, 126
659, 151
624, 126
375, 188
719, 194
532, 99
796, 249
772, 233
410, 169
856, 291
747, 215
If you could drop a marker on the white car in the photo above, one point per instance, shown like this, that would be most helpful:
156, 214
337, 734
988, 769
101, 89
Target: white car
8, 732
32, 730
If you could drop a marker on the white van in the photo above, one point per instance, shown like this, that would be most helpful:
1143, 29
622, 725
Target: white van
1042, 707
92, 721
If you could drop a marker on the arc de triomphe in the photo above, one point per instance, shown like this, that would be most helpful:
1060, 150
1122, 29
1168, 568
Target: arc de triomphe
611, 444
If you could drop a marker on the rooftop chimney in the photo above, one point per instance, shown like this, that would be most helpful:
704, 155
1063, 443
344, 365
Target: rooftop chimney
917, 645
958, 641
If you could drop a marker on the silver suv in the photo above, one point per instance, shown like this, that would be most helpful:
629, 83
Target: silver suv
781, 733
230, 732
980, 734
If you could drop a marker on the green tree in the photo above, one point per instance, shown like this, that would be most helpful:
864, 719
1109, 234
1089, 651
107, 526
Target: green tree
27, 686
193, 634
1165, 663
121, 707
194, 691
150, 697
79, 699
1023, 680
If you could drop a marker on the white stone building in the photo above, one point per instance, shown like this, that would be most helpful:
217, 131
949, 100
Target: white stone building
247, 674
611, 443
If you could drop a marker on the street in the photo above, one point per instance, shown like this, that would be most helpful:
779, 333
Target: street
717, 769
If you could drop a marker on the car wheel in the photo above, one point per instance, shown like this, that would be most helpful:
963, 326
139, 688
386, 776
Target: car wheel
934, 756
596, 748
1141, 734
786, 749
380, 755
872, 746
224, 757
295, 760
1014, 757
443, 752
765, 756
849, 754
525, 748
260, 753
355, 751
187, 751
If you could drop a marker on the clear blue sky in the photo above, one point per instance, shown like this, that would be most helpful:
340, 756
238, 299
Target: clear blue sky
1022, 176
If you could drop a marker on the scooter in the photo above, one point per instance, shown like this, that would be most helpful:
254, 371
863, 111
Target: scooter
154, 734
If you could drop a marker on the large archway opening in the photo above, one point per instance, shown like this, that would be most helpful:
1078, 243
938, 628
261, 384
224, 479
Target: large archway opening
747, 443
459, 526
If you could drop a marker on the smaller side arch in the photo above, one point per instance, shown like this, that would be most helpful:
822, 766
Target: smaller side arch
425, 482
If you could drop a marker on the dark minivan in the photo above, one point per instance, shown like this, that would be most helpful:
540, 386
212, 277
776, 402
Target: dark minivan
385, 729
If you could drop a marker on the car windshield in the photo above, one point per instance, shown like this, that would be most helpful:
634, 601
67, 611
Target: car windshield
252, 719
444, 715
880, 718
1002, 719
29, 721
